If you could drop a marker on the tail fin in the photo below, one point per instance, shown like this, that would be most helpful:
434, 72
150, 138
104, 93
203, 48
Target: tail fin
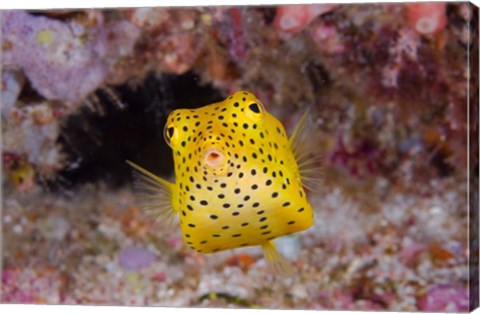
276, 261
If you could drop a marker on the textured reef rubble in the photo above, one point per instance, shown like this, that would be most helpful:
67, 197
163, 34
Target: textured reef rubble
84, 90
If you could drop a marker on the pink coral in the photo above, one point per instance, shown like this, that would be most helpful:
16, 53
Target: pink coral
409, 254
443, 298
294, 18
31, 285
427, 18
63, 61
238, 48
173, 41
327, 38
359, 159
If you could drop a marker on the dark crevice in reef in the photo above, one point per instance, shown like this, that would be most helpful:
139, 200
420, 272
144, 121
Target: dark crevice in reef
126, 123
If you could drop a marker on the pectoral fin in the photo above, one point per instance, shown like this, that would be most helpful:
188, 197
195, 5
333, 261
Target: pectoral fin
154, 194
306, 152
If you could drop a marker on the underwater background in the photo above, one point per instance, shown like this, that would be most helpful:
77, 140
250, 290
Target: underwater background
389, 87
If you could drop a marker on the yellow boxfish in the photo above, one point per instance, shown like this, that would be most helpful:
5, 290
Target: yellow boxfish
238, 178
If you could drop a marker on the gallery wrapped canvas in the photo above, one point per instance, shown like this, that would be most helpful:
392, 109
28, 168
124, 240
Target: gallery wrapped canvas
308, 156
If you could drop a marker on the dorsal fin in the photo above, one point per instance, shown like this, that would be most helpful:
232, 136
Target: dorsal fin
153, 193
306, 151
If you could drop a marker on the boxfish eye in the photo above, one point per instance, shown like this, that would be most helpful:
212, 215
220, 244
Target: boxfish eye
170, 131
254, 107
169, 134
254, 110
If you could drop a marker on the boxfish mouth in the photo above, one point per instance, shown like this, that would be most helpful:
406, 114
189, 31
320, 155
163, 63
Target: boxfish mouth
214, 158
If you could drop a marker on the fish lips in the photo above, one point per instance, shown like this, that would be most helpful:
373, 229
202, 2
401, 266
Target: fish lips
215, 159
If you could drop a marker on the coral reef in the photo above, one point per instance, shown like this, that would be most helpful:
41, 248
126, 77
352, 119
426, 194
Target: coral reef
294, 18
427, 18
63, 61
387, 86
